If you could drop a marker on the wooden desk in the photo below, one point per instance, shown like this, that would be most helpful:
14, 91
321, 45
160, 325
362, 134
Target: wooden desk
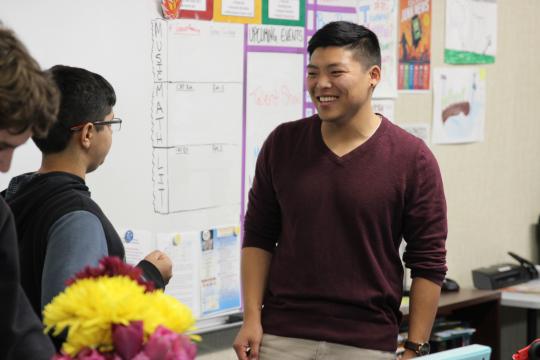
481, 308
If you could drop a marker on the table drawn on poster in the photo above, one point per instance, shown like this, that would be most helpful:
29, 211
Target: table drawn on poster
459, 96
196, 114
380, 16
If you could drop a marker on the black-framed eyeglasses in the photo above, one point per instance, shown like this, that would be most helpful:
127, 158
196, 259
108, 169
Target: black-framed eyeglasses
115, 124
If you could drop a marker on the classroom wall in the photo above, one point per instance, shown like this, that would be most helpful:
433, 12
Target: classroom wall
492, 188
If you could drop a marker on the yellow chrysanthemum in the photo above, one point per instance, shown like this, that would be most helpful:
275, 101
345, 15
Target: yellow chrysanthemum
89, 307
165, 310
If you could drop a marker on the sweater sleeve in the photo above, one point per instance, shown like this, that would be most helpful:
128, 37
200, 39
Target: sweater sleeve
74, 241
425, 224
262, 224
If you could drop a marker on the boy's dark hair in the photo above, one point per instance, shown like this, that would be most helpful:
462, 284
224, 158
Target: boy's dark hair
351, 36
29, 98
85, 97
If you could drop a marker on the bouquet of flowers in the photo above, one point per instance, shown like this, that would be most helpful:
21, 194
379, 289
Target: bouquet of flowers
110, 313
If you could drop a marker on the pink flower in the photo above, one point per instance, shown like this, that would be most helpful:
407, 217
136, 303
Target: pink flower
141, 356
165, 344
90, 354
128, 340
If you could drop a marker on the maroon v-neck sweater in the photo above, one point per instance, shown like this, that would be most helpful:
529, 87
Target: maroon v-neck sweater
334, 225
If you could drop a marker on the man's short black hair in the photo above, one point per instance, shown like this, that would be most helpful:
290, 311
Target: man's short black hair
84, 97
351, 36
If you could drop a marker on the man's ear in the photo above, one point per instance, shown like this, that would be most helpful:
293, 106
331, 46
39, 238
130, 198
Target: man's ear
86, 135
374, 75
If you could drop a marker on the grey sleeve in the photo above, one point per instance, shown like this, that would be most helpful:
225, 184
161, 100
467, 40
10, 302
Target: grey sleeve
75, 241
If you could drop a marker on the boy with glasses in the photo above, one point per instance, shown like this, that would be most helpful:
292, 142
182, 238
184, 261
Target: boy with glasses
28, 106
61, 229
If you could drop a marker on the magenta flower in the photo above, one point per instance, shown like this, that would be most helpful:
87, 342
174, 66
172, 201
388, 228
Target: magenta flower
90, 354
112, 266
141, 356
128, 340
165, 344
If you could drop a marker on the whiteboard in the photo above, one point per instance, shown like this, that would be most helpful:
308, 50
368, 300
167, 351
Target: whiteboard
115, 39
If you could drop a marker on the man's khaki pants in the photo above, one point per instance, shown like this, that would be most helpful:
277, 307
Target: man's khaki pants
284, 348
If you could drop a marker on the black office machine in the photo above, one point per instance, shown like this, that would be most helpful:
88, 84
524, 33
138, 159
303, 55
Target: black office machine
504, 275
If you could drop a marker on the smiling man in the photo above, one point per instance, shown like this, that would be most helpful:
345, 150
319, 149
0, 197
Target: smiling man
332, 198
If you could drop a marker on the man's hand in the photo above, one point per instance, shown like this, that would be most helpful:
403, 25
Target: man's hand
162, 262
248, 341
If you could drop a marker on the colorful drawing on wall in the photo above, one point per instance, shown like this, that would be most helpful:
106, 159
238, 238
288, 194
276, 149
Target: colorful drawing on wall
414, 44
381, 17
284, 12
459, 100
238, 11
471, 32
171, 9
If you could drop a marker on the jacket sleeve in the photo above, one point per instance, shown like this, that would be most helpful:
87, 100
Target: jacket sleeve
425, 224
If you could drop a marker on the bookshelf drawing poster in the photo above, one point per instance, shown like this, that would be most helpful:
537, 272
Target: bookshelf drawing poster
414, 43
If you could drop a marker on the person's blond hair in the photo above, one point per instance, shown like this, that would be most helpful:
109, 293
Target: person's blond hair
29, 98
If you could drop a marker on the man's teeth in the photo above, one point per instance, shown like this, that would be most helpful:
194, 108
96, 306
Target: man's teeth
327, 98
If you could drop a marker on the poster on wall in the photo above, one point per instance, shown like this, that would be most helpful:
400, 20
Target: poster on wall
197, 9
238, 11
284, 12
206, 271
471, 32
187, 9
414, 41
381, 18
459, 105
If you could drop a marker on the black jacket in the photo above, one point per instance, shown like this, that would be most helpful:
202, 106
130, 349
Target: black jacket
21, 333
37, 202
